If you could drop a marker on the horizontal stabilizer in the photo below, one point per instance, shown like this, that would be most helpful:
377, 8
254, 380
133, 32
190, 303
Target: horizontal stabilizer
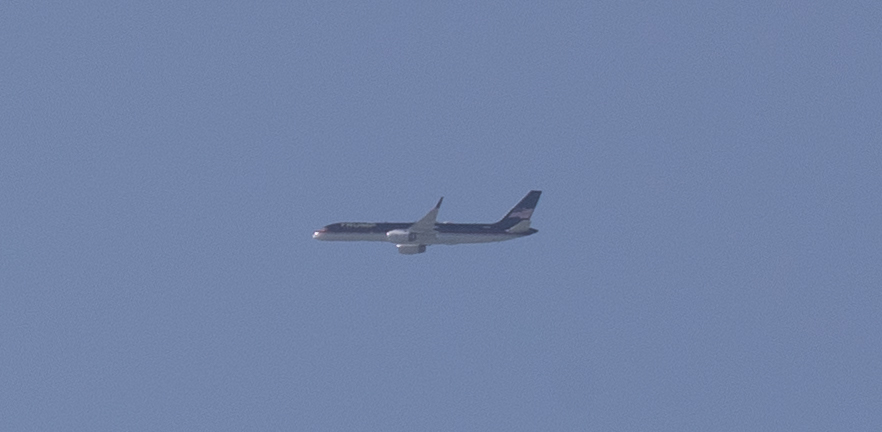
522, 226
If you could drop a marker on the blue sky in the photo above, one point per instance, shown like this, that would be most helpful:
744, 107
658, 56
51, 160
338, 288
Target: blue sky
708, 255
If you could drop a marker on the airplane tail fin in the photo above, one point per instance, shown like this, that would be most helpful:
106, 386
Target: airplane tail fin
518, 218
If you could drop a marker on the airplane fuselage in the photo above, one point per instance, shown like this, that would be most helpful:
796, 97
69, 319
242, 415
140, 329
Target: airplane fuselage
412, 238
445, 233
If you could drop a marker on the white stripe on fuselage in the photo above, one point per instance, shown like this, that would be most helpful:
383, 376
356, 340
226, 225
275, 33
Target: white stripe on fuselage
348, 236
439, 238
459, 238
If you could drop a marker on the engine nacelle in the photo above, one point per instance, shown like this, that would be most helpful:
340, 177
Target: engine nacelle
411, 249
405, 236
401, 236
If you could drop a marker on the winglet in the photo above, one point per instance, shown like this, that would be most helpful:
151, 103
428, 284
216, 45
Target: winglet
427, 223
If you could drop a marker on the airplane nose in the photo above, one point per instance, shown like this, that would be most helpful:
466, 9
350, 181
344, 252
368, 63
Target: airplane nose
318, 234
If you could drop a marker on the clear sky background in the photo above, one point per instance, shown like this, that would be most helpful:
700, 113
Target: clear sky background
708, 255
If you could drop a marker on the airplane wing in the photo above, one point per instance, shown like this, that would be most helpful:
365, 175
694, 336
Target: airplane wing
427, 223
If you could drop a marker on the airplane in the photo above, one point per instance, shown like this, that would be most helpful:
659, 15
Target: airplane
412, 238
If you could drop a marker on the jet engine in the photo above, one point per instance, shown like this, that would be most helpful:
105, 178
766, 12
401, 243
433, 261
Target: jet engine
411, 249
